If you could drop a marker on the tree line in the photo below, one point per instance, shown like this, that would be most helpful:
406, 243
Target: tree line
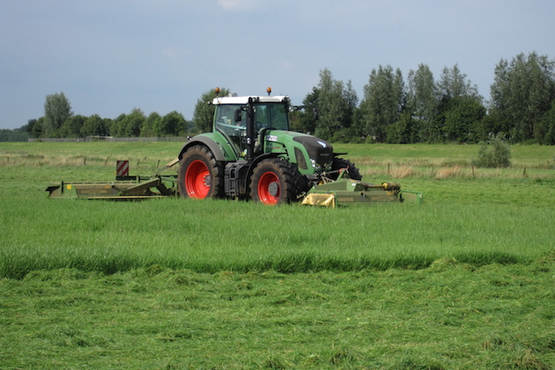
419, 109
60, 122
425, 110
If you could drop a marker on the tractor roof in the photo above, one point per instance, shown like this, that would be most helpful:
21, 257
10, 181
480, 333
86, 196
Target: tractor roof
245, 99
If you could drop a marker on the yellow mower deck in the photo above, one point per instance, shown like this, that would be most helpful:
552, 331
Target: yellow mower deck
345, 191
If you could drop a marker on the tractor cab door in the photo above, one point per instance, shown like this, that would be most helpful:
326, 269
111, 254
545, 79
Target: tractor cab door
267, 117
234, 131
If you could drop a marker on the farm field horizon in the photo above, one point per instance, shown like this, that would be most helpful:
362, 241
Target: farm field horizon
280, 287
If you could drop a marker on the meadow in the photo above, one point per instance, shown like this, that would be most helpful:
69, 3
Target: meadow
463, 281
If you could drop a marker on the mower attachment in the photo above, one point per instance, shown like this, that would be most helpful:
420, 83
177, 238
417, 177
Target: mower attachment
124, 188
345, 191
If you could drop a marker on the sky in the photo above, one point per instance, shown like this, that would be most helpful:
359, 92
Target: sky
111, 56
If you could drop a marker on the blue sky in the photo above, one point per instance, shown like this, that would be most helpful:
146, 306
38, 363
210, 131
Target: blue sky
110, 56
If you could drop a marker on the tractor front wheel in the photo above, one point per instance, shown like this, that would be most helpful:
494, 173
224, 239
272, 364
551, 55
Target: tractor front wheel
340, 163
199, 174
275, 181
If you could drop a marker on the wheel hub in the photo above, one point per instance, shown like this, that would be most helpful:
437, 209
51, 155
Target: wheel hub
273, 189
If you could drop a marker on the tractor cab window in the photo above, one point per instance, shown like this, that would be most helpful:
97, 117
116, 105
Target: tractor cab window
225, 122
235, 131
225, 117
271, 116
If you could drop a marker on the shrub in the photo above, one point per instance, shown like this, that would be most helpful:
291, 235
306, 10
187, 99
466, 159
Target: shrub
494, 153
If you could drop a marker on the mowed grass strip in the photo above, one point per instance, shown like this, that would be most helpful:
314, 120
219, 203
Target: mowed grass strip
450, 315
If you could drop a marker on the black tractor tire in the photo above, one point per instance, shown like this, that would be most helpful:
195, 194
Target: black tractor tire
199, 174
340, 163
275, 181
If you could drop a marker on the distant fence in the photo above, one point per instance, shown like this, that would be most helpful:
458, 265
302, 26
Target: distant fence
111, 139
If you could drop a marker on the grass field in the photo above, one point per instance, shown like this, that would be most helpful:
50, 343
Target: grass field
464, 281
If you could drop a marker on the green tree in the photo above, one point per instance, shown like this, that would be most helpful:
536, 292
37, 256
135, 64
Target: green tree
150, 125
57, 110
522, 92
204, 112
463, 118
72, 126
117, 128
38, 128
384, 99
308, 118
548, 122
19, 134
460, 109
171, 124
94, 126
132, 123
336, 106
454, 84
422, 100
404, 130
34, 127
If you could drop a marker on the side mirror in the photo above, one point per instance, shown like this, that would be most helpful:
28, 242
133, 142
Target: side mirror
237, 115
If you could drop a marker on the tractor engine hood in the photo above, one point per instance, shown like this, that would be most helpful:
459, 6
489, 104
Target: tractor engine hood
319, 151
310, 153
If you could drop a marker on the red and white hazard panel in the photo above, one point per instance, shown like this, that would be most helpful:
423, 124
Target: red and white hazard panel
122, 168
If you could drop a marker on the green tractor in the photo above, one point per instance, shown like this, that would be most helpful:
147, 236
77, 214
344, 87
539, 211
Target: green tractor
252, 154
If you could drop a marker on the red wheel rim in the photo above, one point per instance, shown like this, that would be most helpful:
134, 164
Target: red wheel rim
197, 180
269, 188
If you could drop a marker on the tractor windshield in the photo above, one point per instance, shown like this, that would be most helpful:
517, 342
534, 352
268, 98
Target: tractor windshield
271, 116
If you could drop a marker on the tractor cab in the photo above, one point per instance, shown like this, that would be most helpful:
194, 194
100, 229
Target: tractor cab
244, 120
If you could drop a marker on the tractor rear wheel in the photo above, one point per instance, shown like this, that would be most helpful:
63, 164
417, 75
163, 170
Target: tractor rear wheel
200, 176
275, 181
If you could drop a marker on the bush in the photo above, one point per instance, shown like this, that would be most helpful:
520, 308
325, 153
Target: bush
494, 153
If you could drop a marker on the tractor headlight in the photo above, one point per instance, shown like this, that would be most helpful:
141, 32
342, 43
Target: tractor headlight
315, 165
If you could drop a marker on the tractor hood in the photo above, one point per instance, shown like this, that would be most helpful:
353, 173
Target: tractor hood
310, 153
319, 151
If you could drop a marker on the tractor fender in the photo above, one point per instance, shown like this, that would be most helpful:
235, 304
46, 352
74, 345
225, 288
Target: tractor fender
207, 142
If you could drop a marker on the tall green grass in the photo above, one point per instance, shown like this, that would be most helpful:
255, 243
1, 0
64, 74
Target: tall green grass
480, 220
209, 236
464, 281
